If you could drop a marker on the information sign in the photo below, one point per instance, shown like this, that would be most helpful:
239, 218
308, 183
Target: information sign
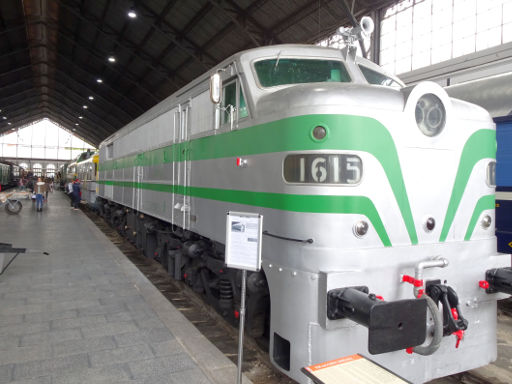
354, 369
243, 240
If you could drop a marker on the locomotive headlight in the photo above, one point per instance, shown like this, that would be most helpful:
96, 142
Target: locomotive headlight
486, 221
430, 114
360, 228
319, 132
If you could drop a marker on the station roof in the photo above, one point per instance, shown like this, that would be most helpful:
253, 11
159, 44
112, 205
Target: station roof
54, 53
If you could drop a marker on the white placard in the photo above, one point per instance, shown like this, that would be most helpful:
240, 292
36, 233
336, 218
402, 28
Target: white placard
243, 240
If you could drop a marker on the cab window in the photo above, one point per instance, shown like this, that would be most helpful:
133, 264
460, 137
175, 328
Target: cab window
377, 78
232, 95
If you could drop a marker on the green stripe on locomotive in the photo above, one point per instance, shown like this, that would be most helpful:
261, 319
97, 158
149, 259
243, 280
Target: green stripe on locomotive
346, 132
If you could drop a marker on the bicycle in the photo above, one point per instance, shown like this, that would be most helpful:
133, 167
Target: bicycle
12, 206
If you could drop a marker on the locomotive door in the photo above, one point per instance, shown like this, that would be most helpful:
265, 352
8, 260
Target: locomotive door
181, 211
138, 176
138, 187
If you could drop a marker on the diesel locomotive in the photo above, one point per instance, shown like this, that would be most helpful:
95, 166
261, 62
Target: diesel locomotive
377, 198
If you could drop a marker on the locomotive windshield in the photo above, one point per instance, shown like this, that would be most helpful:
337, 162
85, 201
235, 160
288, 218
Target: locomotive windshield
377, 78
279, 71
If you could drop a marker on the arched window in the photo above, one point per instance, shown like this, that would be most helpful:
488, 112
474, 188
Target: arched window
37, 169
50, 170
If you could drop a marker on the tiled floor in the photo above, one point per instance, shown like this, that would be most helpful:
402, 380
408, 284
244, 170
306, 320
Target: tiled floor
85, 314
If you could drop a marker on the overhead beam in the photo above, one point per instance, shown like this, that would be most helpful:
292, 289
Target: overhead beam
112, 35
52, 105
19, 108
47, 113
73, 83
147, 36
183, 42
76, 42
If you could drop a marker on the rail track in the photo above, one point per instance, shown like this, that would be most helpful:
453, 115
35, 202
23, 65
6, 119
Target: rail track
256, 365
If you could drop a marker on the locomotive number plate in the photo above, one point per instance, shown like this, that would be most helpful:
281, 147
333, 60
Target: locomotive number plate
323, 169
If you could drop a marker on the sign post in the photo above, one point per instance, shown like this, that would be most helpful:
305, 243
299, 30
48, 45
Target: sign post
243, 251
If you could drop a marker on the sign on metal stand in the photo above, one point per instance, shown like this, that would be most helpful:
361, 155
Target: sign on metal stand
243, 251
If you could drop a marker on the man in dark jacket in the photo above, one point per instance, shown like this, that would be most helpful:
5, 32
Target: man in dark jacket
77, 193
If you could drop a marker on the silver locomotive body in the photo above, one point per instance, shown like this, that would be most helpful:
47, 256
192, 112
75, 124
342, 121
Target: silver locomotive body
352, 193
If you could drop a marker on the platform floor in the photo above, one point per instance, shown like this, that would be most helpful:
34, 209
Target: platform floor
85, 314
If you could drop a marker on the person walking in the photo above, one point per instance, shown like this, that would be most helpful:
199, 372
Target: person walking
39, 190
69, 192
46, 181
77, 193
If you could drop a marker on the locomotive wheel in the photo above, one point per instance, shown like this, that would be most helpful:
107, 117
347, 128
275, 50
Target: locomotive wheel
13, 207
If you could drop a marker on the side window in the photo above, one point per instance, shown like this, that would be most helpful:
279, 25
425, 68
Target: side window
110, 151
228, 99
242, 111
232, 94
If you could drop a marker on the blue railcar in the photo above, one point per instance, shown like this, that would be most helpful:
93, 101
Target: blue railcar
504, 183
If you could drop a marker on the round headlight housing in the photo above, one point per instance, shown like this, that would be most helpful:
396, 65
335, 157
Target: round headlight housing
319, 132
430, 114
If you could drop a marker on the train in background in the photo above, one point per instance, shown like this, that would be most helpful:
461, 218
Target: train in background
493, 93
10, 174
85, 169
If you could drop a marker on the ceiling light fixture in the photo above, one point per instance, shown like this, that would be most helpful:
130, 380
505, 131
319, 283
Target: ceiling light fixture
111, 59
9, 123
91, 98
4, 117
85, 107
80, 117
99, 81
131, 13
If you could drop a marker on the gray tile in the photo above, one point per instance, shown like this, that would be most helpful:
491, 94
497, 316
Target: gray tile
9, 320
143, 337
120, 355
109, 329
7, 342
195, 376
23, 309
24, 294
102, 309
73, 304
103, 375
50, 315
129, 300
6, 373
51, 337
161, 366
5, 303
24, 354
82, 321
57, 366
149, 322
24, 328
36, 380
71, 347
166, 348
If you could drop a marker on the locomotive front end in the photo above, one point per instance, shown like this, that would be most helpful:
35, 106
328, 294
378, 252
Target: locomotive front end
383, 233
